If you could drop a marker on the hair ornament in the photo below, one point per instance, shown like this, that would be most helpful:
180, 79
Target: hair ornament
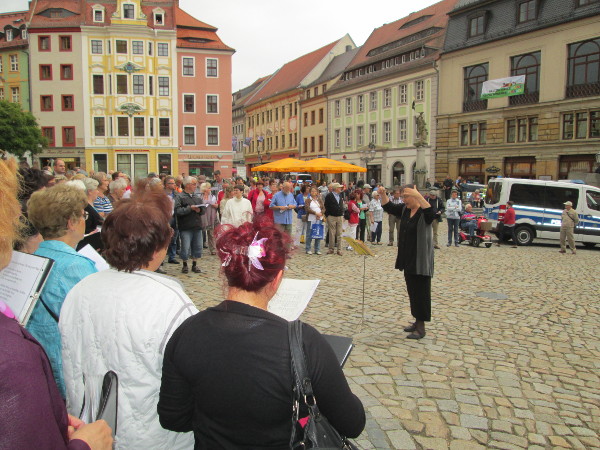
254, 251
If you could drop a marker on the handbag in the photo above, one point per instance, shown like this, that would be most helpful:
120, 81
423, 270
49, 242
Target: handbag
318, 432
317, 230
347, 214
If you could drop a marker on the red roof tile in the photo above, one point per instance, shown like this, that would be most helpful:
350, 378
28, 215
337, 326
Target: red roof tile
186, 20
392, 31
192, 33
290, 75
11, 18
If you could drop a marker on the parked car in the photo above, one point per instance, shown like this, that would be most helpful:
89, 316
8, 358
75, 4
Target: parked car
538, 206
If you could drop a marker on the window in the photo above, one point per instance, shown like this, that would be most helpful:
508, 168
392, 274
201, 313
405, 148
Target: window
14, 63
159, 19
121, 46
137, 47
66, 71
45, 71
320, 142
149, 48
150, 85
68, 103
189, 135
283, 141
307, 94
387, 132
593, 199
360, 102
305, 147
373, 133
96, 47
473, 134
24, 33
360, 135
387, 98
99, 126
575, 163
373, 100
163, 86
402, 130
121, 84
474, 76
163, 49
336, 138
337, 108
306, 119
419, 90
584, 69
64, 43
527, 11
212, 67
476, 25
138, 84
312, 117
522, 129
581, 125
9, 35
48, 133
15, 94
151, 127
98, 84
128, 11
528, 65
213, 135
123, 126
164, 127
44, 43
348, 105
348, 137
189, 103
312, 144
68, 135
320, 115
212, 104
1, 65
188, 67
98, 15
134, 164
46, 103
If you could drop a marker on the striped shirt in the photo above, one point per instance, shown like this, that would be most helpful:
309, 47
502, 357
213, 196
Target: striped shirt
103, 205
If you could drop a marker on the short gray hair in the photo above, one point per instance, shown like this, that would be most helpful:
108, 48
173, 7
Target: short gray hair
187, 180
119, 183
90, 184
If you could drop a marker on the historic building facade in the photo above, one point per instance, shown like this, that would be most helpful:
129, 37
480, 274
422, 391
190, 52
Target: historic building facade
388, 89
550, 130
14, 63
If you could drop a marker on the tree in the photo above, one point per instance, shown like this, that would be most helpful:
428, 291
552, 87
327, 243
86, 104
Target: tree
19, 131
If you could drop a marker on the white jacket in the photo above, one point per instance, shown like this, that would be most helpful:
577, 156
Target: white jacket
122, 322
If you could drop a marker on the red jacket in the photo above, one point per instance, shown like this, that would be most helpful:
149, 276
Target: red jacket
510, 217
253, 196
354, 212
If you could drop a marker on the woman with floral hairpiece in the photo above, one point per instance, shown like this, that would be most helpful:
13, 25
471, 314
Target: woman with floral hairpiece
227, 371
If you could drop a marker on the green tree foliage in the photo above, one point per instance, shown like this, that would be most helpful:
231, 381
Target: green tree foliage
19, 131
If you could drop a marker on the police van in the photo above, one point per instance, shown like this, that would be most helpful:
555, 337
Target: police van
538, 206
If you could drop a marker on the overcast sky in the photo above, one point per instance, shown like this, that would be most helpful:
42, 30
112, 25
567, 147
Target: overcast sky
268, 33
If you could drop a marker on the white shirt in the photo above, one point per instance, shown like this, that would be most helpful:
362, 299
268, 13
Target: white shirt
314, 205
237, 211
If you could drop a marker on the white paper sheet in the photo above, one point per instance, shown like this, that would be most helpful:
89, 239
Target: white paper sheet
292, 297
89, 252
373, 228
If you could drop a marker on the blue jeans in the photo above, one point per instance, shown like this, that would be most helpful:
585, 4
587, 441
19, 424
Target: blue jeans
308, 240
376, 235
172, 251
191, 240
470, 226
453, 230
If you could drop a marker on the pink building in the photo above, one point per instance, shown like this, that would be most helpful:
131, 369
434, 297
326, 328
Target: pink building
204, 86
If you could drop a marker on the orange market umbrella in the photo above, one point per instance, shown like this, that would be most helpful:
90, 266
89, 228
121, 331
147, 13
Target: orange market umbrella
282, 165
326, 165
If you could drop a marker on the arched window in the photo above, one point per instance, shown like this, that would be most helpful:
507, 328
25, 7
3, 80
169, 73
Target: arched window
398, 176
474, 76
528, 65
584, 69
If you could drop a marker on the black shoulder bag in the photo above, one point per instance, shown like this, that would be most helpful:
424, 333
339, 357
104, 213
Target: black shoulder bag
318, 432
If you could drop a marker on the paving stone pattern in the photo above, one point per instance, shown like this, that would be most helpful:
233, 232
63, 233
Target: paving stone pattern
503, 373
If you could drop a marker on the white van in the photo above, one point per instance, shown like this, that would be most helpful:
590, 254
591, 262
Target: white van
539, 204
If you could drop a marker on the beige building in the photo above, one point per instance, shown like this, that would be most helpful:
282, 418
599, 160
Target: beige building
550, 130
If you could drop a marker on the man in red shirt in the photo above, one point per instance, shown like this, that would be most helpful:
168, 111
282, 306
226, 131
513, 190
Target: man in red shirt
509, 222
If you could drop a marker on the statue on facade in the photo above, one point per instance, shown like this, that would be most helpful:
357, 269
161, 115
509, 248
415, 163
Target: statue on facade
422, 131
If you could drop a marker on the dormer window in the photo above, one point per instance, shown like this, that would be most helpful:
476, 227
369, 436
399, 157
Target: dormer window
159, 18
9, 35
24, 33
527, 11
477, 24
98, 15
128, 11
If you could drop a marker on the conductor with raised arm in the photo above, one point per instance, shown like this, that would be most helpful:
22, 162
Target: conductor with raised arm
415, 253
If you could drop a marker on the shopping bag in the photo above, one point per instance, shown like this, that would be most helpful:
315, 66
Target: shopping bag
317, 230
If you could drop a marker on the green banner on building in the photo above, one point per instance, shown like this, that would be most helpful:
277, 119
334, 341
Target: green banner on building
503, 87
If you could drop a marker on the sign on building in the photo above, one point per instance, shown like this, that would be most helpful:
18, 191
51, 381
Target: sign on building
503, 87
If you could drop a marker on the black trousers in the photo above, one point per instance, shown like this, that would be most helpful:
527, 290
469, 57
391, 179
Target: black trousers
419, 293
362, 226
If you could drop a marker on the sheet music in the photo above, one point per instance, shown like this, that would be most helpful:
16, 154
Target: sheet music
21, 281
292, 297
89, 252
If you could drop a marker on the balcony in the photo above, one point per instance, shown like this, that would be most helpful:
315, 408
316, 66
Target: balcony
474, 105
583, 90
524, 99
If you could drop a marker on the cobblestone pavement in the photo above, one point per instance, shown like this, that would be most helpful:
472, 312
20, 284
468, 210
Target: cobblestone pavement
511, 358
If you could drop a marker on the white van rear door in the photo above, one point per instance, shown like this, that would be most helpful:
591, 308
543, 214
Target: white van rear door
589, 216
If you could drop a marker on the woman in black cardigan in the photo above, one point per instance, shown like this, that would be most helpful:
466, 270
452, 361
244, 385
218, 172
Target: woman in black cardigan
227, 370
415, 253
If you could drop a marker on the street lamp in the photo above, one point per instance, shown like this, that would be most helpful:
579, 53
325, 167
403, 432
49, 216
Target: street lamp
368, 155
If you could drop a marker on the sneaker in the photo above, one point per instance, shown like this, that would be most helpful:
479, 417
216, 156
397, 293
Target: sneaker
309, 252
185, 269
173, 261
318, 253
348, 248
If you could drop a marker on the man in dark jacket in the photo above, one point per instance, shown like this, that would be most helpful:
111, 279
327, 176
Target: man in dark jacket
334, 210
438, 209
448, 185
188, 212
